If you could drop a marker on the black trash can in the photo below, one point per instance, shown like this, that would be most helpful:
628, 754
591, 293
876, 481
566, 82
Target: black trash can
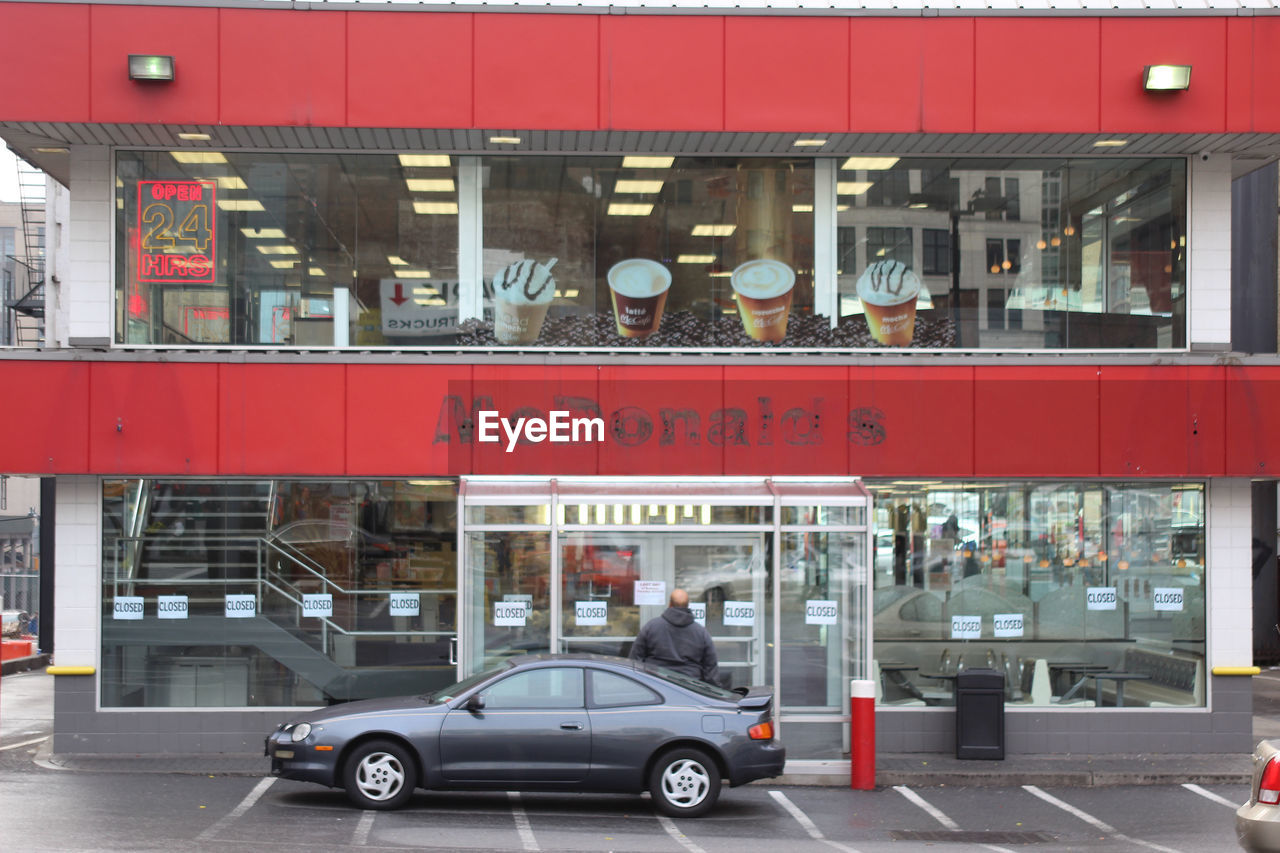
980, 714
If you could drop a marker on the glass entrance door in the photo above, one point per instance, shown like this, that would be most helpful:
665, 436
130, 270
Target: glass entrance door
615, 582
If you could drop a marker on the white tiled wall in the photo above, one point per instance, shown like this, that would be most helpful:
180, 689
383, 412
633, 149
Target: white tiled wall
87, 294
77, 580
1209, 276
1230, 556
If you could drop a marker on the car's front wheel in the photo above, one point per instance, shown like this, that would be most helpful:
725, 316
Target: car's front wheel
684, 783
379, 774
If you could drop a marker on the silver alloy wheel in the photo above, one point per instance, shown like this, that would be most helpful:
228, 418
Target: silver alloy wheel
380, 776
685, 783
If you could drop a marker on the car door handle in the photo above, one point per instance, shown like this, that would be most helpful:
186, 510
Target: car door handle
572, 727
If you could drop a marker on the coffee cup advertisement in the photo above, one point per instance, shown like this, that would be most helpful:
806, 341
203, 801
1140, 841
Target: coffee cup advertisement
763, 289
888, 291
638, 289
522, 294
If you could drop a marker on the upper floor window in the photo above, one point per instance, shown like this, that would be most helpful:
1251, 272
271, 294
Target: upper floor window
534, 251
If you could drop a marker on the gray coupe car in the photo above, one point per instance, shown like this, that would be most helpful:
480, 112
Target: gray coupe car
541, 723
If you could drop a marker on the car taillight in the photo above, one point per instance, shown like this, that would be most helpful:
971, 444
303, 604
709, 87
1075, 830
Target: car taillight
764, 731
1269, 785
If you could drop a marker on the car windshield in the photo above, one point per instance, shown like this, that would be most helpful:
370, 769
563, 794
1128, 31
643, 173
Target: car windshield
444, 694
688, 682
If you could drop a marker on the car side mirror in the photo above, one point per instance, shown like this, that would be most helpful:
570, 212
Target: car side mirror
475, 703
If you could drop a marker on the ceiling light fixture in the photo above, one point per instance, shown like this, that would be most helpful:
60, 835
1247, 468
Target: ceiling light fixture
638, 162
714, 230
638, 186
424, 160
195, 137
436, 207
852, 187
198, 157
151, 67
696, 259
809, 143
1166, 78
872, 164
50, 150
1111, 143
504, 140
621, 209
240, 204
263, 233
429, 185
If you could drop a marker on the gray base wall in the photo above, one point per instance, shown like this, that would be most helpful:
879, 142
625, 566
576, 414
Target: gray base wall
1228, 728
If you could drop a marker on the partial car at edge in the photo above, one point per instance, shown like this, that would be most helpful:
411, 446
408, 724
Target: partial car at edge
573, 722
1258, 820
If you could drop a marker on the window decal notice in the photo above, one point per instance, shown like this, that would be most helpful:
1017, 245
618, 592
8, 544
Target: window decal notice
510, 614
699, 611
1167, 598
966, 627
176, 232
405, 604
740, 613
171, 606
1100, 598
820, 612
318, 605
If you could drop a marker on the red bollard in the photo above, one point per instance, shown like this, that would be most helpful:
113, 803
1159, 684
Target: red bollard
862, 734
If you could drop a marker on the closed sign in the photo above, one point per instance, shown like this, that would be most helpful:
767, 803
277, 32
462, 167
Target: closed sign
510, 614
1007, 625
820, 612
740, 613
171, 607
1166, 598
1100, 598
699, 611
588, 613
318, 605
127, 607
404, 604
966, 627
241, 606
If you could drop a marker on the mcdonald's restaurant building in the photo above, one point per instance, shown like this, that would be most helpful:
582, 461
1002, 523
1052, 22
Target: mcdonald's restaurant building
386, 343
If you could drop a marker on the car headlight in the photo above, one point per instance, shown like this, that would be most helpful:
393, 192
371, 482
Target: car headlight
300, 732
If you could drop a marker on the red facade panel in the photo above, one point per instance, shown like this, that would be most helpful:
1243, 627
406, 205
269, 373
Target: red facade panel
188, 35
50, 435
793, 420
153, 418
1252, 412
401, 419
1160, 421
44, 59
409, 70
1039, 419
905, 421
1022, 87
639, 403
276, 419
537, 71
1240, 88
1265, 117
947, 90
532, 393
884, 75
279, 67
662, 73
786, 74
1129, 44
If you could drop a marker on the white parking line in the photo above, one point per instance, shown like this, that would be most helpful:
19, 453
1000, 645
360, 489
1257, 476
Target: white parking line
1093, 821
522, 822
361, 838
939, 815
24, 743
245, 805
683, 840
809, 826
1210, 795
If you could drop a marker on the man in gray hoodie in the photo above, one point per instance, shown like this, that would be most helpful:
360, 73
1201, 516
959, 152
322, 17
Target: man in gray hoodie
676, 641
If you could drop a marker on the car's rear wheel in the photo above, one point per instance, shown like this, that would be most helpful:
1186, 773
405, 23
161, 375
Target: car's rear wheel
684, 783
379, 774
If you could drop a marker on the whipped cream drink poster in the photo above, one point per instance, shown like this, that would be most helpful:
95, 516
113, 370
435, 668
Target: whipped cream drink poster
522, 292
888, 291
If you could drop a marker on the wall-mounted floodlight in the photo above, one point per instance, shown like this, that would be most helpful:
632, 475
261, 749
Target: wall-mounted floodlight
1166, 78
150, 67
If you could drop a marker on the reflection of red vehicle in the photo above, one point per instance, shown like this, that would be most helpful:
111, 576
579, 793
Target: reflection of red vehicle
603, 571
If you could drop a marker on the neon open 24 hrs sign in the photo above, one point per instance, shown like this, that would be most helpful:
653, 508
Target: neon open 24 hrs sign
176, 242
